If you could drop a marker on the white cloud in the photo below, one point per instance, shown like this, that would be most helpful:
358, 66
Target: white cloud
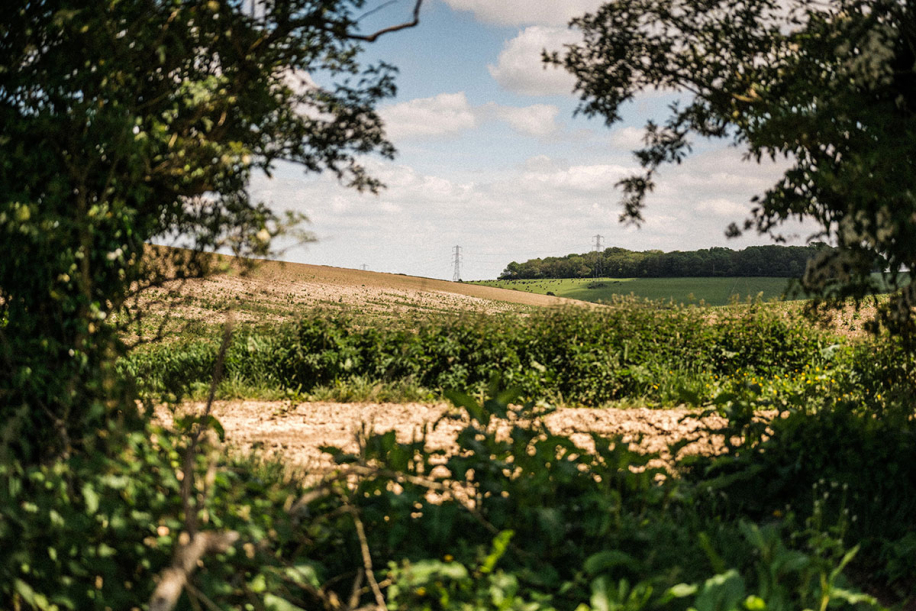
450, 113
544, 164
722, 173
627, 138
545, 206
722, 207
299, 81
446, 113
537, 120
404, 185
519, 67
525, 12
595, 181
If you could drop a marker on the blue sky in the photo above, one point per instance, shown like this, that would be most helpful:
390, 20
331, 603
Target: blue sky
491, 158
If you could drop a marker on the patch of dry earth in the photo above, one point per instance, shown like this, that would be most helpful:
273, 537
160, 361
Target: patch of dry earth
293, 433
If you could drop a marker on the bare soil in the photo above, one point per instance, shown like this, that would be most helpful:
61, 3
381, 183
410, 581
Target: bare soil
274, 292
294, 433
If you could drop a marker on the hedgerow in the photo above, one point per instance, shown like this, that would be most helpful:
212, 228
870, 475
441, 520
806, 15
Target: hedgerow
661, 355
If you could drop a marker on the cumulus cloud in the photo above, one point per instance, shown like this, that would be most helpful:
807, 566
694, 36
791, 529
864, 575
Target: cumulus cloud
722, 172
499, 214
519, 67
450, 113
594, 181
525, 12
544, 164
446, 113
628, 138
721, 207
537, 120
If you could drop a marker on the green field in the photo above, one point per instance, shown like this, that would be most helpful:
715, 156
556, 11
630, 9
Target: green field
711, 291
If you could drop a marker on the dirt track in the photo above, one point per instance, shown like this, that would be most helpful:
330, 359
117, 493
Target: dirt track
294, 432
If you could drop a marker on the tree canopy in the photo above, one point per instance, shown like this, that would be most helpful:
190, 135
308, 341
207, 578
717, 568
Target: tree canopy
831, 86
126, 120
769, 261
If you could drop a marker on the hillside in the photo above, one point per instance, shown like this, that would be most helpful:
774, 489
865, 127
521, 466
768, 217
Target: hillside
275, 291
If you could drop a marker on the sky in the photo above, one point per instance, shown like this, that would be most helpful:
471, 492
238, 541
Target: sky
492, 159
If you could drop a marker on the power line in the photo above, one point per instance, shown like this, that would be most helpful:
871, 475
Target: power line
364, 267
456, 276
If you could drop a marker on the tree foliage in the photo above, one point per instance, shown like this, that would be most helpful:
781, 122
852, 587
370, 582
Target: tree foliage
767, 261
126, 120
831, 86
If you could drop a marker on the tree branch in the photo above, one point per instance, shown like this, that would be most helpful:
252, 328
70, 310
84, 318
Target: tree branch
367, 557
381, 7
175, 578
193, 545
187, 483
395, 28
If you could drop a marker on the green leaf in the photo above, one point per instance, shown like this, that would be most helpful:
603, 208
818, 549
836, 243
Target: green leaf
474, 410
216, 425
24, 590
688, 396
275, 603
681, 590
91, 498
36, 599
305, 574
847, 558
507, 396
608, 559
853, 598
722, 592
258, 584
601, 596
500, 545
425, 571
718, 565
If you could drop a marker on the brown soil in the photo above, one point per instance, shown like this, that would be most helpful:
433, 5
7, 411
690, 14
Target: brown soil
345, 282
293, 433
275, 291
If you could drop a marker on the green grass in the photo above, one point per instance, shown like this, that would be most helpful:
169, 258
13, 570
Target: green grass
711, 291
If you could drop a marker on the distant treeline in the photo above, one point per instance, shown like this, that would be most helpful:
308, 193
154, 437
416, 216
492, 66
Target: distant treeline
771, 261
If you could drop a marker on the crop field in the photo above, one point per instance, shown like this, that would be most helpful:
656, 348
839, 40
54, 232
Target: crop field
477, 448
709, 291
275, 292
